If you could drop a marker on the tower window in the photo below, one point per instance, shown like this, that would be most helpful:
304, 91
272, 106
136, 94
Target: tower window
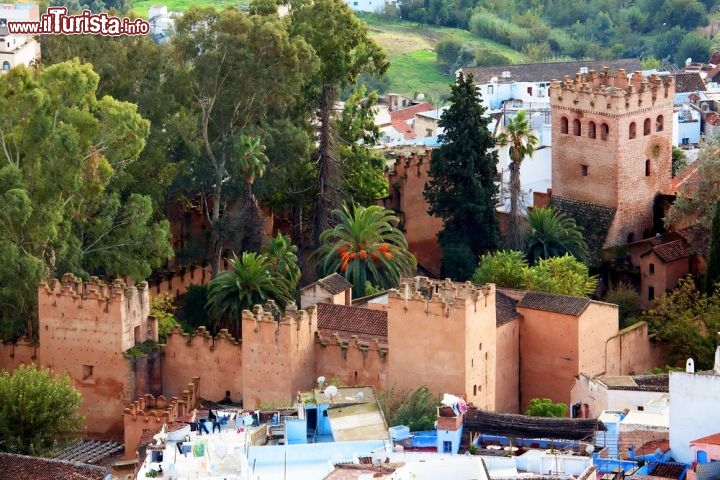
583, 170
647, 168
651, 293
646, 127
651, 268
576, 127
604, 131
591, 130
633, 128
630, 237
660, 123
564, 125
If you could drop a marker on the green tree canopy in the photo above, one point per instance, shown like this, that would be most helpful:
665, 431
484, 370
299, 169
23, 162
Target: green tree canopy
687, 321
462, 189
63, 149
365, 246
37, 409
553, 234
416, 409
505, 268
545, 407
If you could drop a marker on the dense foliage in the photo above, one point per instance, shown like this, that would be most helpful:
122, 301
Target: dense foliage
37, 409
627, 298
545, 407
553, 234
417, 409
365, 246
687, 321
595, 29
462, 189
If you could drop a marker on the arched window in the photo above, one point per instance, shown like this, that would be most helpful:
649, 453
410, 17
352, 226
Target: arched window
651, 268
604, 131
576, 127
564, 125
647, 168
646, 127
6, 65
632, 132
591, 130
630, 237
660, 123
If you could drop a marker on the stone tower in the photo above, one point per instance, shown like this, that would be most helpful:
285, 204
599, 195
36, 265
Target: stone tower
612, 150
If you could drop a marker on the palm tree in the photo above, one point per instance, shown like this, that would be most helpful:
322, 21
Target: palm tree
283, 258
553, 234
521, 137
249, 281
365, 246
251, 165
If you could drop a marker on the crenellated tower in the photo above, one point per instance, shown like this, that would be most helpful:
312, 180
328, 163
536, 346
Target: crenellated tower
612, 149
443, 334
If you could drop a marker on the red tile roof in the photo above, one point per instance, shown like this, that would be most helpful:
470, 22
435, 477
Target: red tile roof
650, 447
333, 283
22, 466
505, 303
352, 320
399, 118
688, 174
710, 440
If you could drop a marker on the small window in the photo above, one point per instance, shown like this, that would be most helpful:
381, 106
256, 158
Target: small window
583, 170
564, 125
646, 127
87, 373
604, 131
490, 89
630, 237
529, 91
651, 268
591, 130
577, 129
647, 168
6, 65
447, 446
660, 123
474, 389
632, 133
651, 293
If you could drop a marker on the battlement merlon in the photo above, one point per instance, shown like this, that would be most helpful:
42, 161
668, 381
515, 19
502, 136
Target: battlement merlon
441, 291
611, 93
94, 288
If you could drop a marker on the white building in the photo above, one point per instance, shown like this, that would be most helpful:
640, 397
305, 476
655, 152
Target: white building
370, 6
694, 408
18, 49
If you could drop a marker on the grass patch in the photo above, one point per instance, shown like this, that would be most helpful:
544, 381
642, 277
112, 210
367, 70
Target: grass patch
141, 7
417, 72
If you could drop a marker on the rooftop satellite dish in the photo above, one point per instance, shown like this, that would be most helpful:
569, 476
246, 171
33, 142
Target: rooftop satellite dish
321, 381
590, 449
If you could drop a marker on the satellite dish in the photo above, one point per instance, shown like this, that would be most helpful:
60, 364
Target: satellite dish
331, 391
321, 381
590, 449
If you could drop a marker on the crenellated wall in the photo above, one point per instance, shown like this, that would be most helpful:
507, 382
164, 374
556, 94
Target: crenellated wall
85, 328
612, 138
148, 414
407, 179
12, 355
278, 356
351, 360
217, 362
443, 335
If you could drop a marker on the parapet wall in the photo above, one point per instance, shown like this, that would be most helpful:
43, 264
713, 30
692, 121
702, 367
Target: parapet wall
12, 355
352, 361
178, 283
216, 361
631, 352
611, 94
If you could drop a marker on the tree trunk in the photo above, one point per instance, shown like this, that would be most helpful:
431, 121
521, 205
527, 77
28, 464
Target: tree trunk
514, 230
327, 168
217, 240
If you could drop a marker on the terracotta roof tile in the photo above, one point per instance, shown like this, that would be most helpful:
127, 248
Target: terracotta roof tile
550, 302
543, 72
334, 283
505, 304
22, 466
688, 82
672, 251
710, 439
408, 113
353, 320
650, 447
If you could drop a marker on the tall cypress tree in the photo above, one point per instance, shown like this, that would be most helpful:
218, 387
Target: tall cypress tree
461, 189
713, 265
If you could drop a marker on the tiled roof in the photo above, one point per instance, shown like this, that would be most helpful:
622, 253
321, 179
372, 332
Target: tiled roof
643, 383
353, 320
713, 119
710, 439
688, 82
334, 283
408, 113
651, 446
551, 302
505, 303
544, 72
672, 251
22, 466
668, 470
